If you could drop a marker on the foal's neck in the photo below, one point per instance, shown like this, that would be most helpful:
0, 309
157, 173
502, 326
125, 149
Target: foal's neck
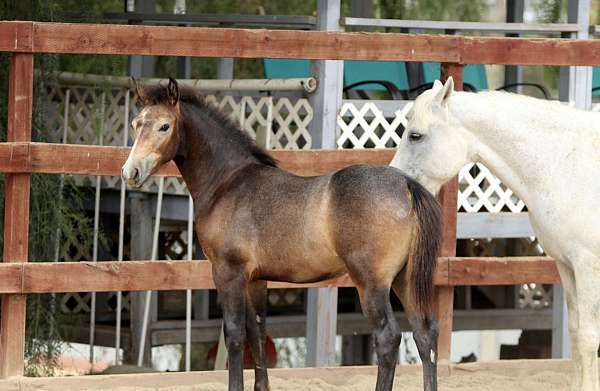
210, 155
522, 140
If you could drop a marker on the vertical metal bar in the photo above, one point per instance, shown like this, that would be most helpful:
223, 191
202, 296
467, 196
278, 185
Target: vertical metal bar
96, 231
321, 321
16, 214
121, 233
188, 292
243, 112
148, 296
269, 127
61, 184
448, 200
514, 14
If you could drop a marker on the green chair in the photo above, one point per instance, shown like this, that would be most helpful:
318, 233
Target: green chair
360, 76
474, 79
388, 76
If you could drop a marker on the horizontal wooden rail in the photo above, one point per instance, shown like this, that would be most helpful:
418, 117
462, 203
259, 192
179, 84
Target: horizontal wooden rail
95, 160
43, 37
48, 277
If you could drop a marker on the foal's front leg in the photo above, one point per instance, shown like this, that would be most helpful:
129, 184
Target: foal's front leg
256, 316
231, 285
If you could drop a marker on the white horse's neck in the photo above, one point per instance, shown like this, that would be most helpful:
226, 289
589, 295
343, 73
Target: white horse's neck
526, 142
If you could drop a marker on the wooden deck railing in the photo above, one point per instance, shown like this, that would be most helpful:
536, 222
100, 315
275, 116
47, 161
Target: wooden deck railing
19, 157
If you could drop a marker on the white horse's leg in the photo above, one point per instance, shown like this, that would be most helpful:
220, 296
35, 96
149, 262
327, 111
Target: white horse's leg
587, 271
567, 278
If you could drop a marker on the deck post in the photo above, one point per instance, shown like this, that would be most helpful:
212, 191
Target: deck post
514, 14
141, 245
16, 215
321, 311
448, 199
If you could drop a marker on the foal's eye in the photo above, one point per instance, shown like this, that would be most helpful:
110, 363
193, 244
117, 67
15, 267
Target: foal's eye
164, 128
413, 136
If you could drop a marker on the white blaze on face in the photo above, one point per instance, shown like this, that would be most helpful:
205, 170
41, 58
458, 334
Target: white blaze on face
145, 155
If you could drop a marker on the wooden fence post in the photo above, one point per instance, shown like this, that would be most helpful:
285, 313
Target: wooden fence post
16, 215
448, 195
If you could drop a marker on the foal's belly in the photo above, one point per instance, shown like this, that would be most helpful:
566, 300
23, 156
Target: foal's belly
311, 265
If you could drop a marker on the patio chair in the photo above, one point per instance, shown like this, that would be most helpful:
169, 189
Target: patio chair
474, 79
359, 76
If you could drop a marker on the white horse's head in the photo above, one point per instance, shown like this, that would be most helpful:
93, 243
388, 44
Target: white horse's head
434, 147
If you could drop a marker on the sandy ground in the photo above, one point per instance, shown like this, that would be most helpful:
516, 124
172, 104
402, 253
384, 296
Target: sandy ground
530, 375
465, 381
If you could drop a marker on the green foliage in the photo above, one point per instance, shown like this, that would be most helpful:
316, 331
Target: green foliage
550, 11
462, 10
56, 209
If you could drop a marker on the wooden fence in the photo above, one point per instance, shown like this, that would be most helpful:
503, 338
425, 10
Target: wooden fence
19, 157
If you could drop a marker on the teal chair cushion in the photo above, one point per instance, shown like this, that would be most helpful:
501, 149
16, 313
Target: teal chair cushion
596, 80
392, 71
474, 74
284, 68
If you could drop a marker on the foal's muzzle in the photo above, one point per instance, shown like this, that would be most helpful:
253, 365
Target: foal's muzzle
132, 175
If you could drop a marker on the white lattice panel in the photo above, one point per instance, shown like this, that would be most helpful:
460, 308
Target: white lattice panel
481, 191
368, 127
279, 123
290, 124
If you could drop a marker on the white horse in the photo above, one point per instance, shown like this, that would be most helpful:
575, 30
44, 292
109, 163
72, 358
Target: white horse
549, 155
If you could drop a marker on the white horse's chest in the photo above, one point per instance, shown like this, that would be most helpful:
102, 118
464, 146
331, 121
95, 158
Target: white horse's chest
566, 222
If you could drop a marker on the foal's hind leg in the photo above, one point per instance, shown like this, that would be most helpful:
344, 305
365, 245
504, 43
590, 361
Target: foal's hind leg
256, 316
231, 285
425, 331
375, 303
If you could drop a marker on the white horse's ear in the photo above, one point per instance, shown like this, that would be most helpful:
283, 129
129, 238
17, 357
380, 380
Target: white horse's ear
445, 91
437, 85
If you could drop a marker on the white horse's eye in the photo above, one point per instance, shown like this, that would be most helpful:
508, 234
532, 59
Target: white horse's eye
413, 136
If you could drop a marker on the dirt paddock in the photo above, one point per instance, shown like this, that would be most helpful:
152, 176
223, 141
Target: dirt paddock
530, 375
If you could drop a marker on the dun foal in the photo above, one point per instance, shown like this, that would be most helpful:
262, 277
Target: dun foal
257, 222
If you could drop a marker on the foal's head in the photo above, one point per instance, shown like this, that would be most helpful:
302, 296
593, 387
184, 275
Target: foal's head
156, 132
433, 149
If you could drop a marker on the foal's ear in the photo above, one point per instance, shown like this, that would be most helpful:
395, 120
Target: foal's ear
173, 92
445, 91
139, 91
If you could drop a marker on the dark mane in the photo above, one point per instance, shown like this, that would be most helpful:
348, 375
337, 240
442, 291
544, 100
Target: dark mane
158, 95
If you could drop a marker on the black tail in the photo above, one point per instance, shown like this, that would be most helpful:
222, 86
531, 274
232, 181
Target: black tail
425, 248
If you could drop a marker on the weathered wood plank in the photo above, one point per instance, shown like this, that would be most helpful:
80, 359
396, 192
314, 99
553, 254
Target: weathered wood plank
97, 160
239, 43
16, 36
16, 214
42, 37
533, 51
503, 271
47, 277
